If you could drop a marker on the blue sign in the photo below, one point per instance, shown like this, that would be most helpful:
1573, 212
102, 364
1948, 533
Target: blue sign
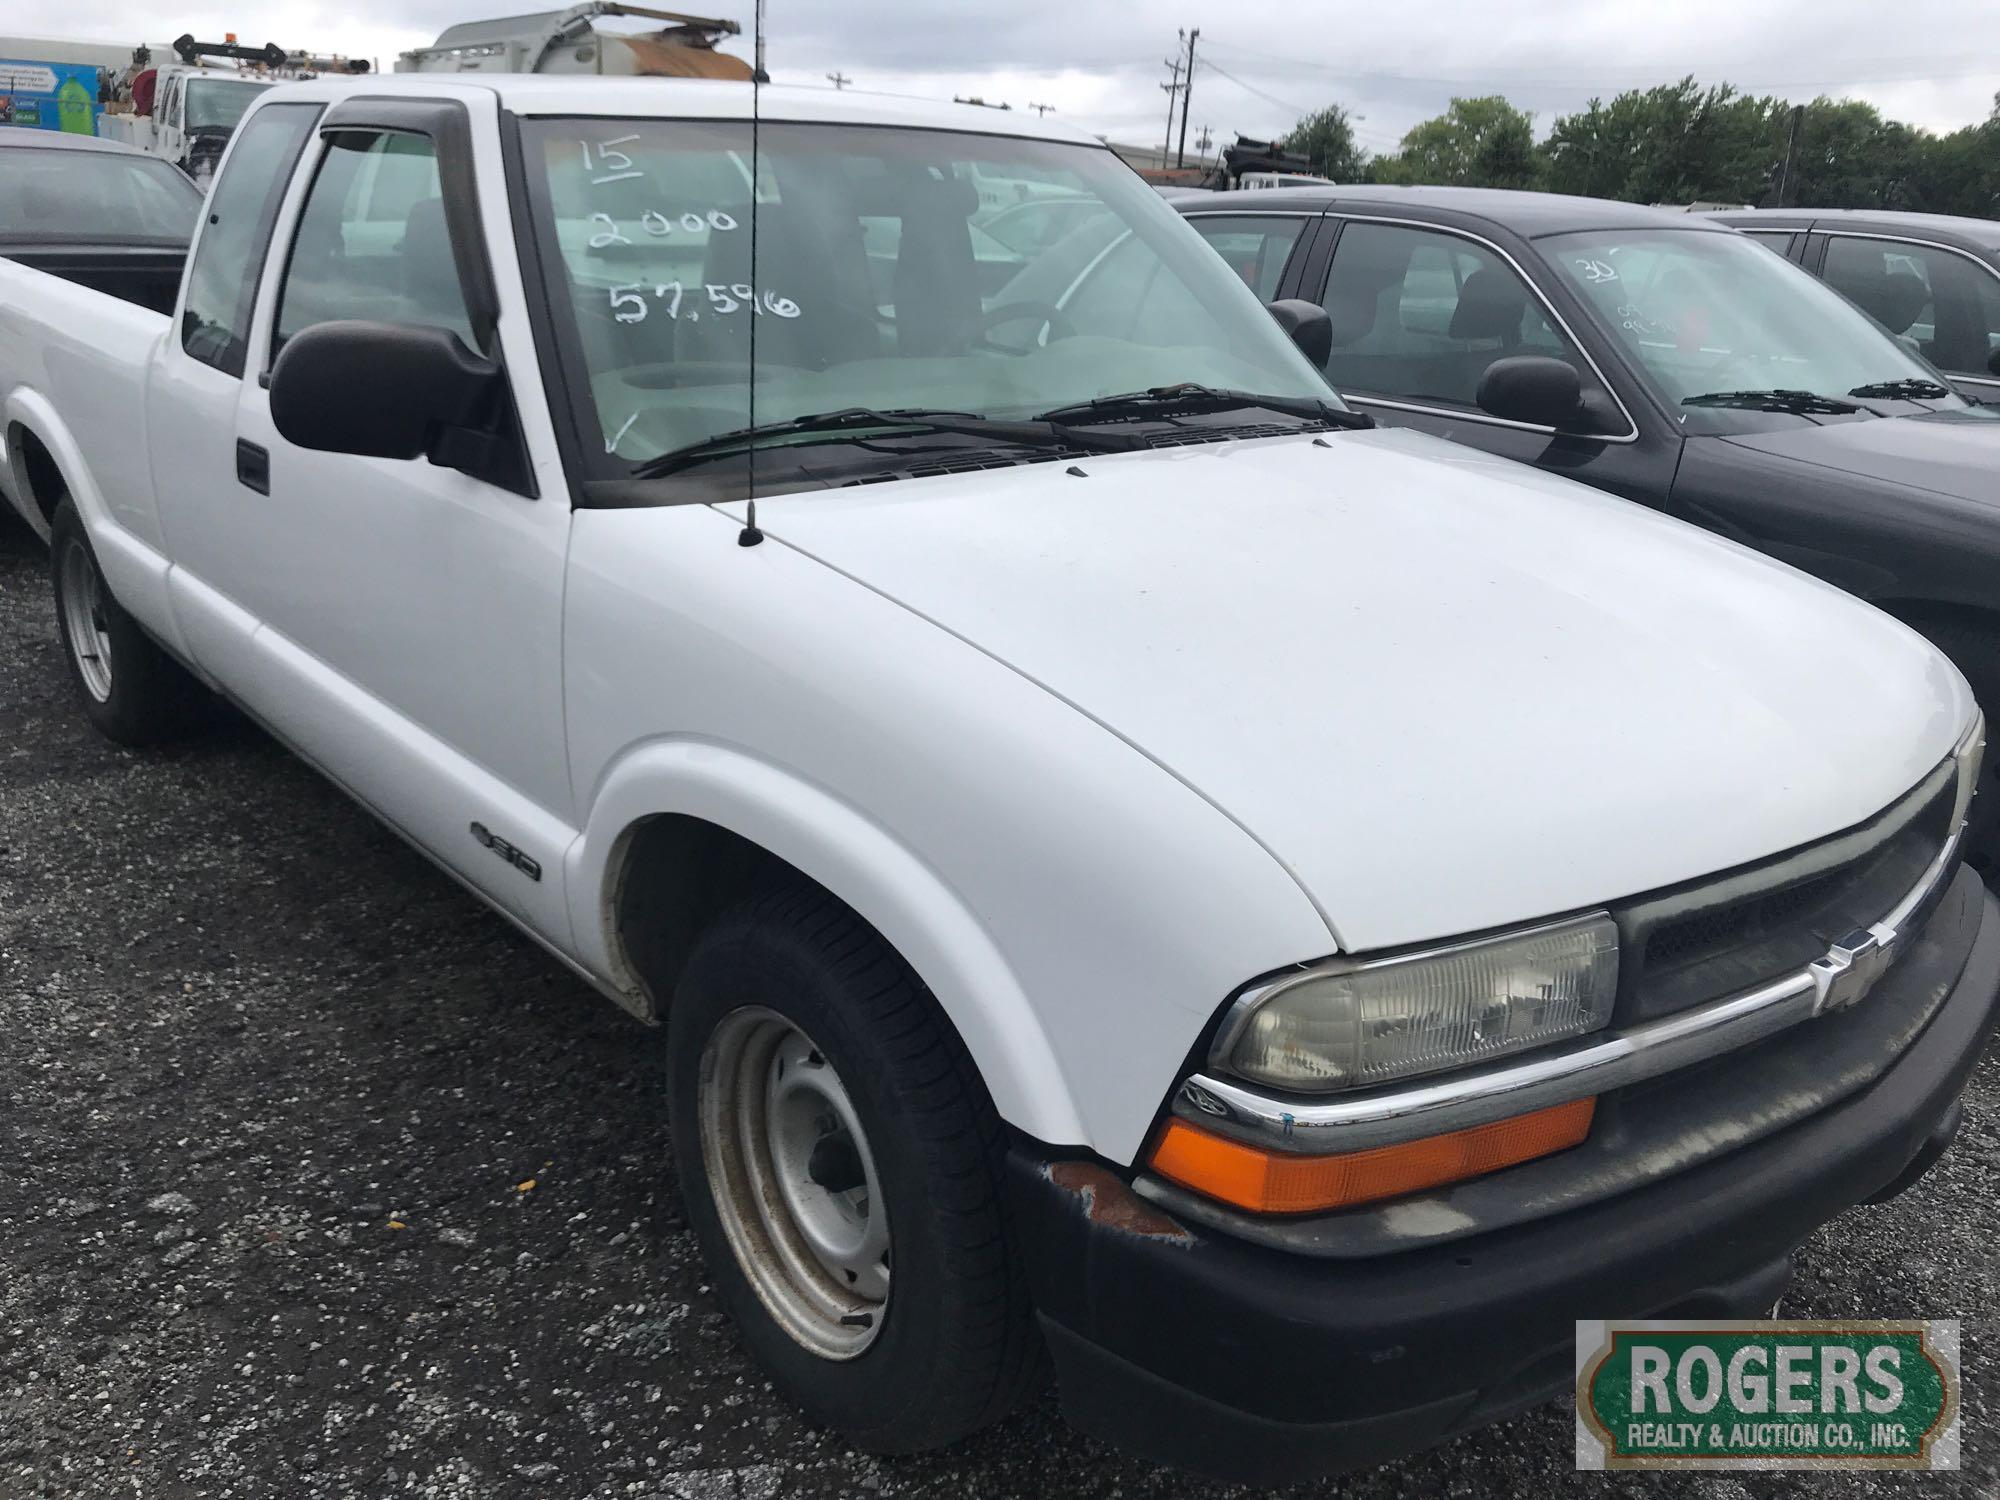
49, 96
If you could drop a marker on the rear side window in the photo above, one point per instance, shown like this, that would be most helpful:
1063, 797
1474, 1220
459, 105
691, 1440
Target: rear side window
372, 241
222, 282
1256, 248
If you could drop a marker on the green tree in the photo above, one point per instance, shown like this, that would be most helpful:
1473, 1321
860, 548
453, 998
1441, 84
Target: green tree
1678, 143
1327, 140
1483, 142
1959, 173
1850, 157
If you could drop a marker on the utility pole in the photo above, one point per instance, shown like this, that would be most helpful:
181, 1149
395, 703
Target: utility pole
1172, 90
1187, 93
1043, 110
1791, 154
838, 79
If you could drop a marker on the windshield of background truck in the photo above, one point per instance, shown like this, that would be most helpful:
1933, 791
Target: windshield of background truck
218, 104
877, 284
80, 197
1703, 313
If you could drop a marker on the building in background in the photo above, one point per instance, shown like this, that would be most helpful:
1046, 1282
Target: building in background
50, 84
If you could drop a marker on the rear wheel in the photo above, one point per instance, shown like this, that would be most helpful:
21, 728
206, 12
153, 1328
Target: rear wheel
840, 1159
131, 690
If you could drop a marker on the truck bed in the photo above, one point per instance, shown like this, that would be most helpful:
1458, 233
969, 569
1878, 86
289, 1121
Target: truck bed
148, 278
83, 353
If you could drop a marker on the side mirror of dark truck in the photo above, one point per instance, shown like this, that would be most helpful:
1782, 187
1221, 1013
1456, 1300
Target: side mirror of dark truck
1541, 390
1308, 326
1993, 361
396, 390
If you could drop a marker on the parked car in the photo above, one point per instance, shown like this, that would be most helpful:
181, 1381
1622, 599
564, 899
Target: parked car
1661, 357
96, 213
1130, 858
1931, 280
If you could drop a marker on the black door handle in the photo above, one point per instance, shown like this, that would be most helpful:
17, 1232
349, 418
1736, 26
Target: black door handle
253, 467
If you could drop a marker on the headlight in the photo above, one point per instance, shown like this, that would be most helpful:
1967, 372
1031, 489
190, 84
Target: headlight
1349, 1024
1971, 749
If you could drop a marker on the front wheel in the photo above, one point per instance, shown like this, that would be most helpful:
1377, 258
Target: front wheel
131, 690
840, 1159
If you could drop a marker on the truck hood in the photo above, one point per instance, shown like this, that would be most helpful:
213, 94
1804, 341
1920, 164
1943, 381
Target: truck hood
1946, 452
1446, 691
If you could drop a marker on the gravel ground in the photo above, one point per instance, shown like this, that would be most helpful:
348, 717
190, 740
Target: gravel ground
323, 1182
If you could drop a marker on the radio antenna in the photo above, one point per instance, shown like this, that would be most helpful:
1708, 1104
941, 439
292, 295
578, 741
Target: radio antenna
750, 536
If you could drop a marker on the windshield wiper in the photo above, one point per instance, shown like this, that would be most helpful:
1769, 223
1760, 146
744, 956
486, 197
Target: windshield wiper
1189, 397
834, 424
1902, 390
1799, 403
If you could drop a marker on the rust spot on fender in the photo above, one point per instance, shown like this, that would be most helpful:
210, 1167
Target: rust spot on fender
1109, 1202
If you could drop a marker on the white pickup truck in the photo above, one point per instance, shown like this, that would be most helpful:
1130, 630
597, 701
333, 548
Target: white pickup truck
1131, 862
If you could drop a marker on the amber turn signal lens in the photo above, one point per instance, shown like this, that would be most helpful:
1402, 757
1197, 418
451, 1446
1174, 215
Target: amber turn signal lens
1271, 1182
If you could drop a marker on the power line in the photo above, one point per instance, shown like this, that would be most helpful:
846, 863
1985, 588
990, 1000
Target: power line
1252, 88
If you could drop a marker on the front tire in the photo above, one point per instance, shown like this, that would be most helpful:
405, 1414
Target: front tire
132, 692
841, 1164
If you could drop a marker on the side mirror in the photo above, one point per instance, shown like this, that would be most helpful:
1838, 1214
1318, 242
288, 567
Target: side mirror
1539, 389
1308, 326
384, 390
1993, 362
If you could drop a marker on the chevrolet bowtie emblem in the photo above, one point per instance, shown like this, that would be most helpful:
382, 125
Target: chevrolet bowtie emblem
1851, 967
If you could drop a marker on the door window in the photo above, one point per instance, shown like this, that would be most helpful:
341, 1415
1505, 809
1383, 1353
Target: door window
222, 281
1421, 314
1779, 240
372, 241
1937, 303
1255, 248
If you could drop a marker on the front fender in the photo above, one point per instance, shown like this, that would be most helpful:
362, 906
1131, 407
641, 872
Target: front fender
882, 879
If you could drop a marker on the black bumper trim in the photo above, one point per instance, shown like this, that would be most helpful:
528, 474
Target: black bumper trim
1197, 1348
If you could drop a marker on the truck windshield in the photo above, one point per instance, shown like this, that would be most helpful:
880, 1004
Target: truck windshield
84, 197
1721, 324
877, 283
218, 104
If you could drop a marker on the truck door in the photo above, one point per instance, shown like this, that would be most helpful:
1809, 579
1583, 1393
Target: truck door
196, 383
169, 121
410, 614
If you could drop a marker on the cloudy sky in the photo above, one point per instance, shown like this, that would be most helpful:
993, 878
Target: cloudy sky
1100, 62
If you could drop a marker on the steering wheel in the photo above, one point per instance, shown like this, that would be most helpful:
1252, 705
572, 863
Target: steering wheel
1054, 317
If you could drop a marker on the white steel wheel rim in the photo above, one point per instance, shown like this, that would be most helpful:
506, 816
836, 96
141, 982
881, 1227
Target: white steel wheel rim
794, 1183
83, 621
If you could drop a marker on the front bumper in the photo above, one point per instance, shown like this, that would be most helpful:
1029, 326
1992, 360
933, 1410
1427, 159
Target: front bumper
1197, 1347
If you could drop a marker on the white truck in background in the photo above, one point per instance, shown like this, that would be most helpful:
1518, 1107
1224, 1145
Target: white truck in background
1132, 859
187, 109
572, 41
